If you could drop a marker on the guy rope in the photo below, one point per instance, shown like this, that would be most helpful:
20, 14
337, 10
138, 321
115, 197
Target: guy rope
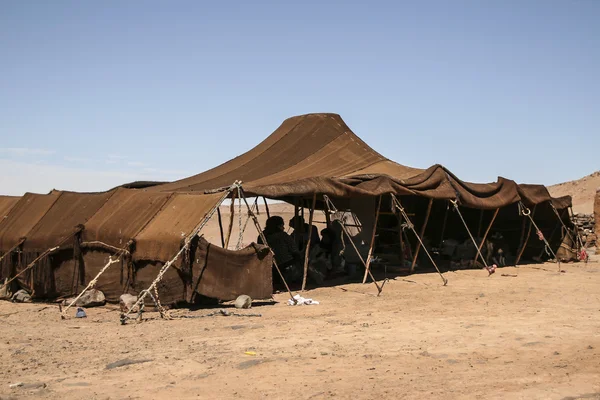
331, 208
477, 247
526, 212
166, 266
264, 240
111, 261
411, 226
582, 253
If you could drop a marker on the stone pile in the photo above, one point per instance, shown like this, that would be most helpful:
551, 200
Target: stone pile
586, 226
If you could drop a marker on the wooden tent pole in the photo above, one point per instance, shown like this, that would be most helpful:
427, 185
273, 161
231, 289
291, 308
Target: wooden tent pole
480, 223
414, 261
526, 238
372, 245
221, 227
327, 219
20, 242
232, 213
264, 239
266, 207
328, 204
400, 233
444, 226
307, 250
486, 233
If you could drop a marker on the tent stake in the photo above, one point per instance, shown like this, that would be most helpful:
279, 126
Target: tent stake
486, 233
522, 249
328, 203
264, 239
307, 250
398, 205
221, 227
414, 261
372, 246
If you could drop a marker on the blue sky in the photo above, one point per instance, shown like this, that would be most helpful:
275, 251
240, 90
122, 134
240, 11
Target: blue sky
94, 94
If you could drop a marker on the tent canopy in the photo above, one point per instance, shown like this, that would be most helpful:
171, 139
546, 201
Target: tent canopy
23, 216
318, 153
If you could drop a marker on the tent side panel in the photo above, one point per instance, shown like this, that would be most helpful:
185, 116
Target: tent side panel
226, 274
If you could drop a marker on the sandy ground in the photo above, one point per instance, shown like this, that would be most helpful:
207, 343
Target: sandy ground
535, 335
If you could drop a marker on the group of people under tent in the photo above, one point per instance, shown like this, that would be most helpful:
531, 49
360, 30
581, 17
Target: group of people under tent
325, 256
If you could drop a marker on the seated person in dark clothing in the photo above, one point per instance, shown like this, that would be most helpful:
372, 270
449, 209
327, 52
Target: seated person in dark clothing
322, 258
287, 255
300, 233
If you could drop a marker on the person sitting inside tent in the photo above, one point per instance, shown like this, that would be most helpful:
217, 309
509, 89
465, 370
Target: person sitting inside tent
287, 255
322, 262
300, 233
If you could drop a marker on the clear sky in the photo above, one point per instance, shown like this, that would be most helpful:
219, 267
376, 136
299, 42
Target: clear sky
94, 94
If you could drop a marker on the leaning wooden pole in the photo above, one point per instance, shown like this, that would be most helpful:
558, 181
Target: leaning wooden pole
264, 240
526, 238
372, 245
266, 207
221, 227
307, 250
232, 214
486, 233
421, 233
444, 227
330, 206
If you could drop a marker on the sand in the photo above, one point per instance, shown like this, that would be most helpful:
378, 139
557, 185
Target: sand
582, 190
535, 335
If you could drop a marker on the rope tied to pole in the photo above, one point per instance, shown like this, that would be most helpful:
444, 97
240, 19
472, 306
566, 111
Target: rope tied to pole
526, 212
331, 207
264, 239
167, 265
411, 226
490, 270
582, 255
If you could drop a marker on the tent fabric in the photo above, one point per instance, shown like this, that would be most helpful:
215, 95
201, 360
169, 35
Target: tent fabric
536, 194
162, 238
70, 210
23, 217
6, 204
318, 153
123, 216
225, 274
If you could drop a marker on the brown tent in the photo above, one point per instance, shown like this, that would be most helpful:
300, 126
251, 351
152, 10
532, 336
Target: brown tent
6, 204
318, 154
144, 229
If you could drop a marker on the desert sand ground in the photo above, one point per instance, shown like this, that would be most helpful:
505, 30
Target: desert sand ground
535, 335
